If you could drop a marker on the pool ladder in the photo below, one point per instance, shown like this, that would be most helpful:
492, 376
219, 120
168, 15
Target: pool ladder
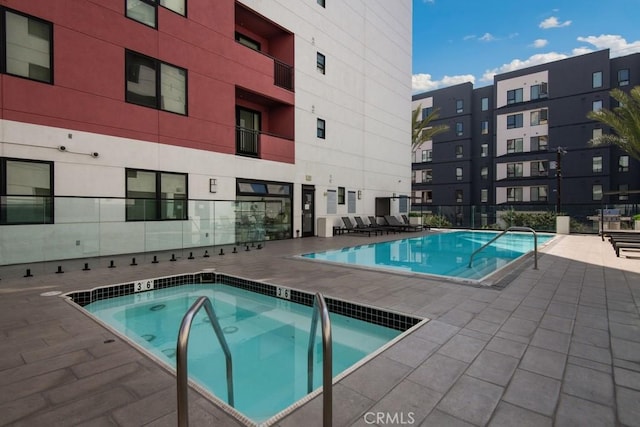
514, 228
319, 307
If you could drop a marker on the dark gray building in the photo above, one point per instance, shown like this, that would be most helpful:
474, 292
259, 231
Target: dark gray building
506, 142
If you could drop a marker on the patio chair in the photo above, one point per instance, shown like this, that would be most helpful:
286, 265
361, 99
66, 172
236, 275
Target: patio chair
392, 221
371, 226
350, 228
407, 222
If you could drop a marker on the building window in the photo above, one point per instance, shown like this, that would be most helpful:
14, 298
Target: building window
459, 151
427, 175
597, 105
426, 112
26, 191
427, 196
458, 174
514, 194
484, 104
484, 150
145, 11
623, 164
427, 155
155, 84
514, 170
320, 129
248, 124
458, 195
623, 189
484, 172
539, 194
514, 121
484, 127
247, 41
320, 63
321, 3
156, 195
459, 128
514, 96
341, 195
597, 164
484, 195
539, 117
539, 91
413, 177
459, 105
28, 44
623, 77
539, 143
597, 79
596, 133
540, 168
596, 192
514, 145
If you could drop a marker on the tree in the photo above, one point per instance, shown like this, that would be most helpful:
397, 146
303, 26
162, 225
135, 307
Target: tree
624, 120
421, 128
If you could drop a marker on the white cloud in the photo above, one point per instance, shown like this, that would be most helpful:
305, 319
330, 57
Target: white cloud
429, 1
469, 37
516, 64
425, 82
539, 43
617, 45
552, 22
487, 37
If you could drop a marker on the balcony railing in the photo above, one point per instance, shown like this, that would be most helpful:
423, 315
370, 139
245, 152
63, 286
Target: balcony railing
283, 75
247, 142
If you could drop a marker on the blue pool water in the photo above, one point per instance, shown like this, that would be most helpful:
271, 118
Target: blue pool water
268, 338
443, 254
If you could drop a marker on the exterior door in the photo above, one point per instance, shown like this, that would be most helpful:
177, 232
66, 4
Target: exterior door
308, 211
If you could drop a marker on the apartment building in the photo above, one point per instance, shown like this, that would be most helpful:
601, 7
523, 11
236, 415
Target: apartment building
523, 141
141, 125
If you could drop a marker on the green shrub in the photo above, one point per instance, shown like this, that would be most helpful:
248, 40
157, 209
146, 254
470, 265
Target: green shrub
535, 220
437, 221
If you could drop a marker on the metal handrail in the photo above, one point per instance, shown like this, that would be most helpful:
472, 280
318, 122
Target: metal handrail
319, 306
514, 228
181, 357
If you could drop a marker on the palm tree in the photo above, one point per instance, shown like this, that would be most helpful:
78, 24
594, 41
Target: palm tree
624, 120
421, 128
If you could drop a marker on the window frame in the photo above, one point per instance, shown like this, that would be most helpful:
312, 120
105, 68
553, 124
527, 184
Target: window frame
517, 145
515, 170
321, 63
515, 121
459, 106
484, 150
484, 104
50, 218
537, 197
321, 128
535, 142
623, 163
484, 195
3, 45
541, 168
594, 193
623, 190
539, 91
130, 54
341, 195
247, 41
516, 194
622, 81
459, 151
596, 105
594, 163
427, 176
596, 79
514, 96
539, 117
484, 172
484, 127
158, 207
459, 128
459, 173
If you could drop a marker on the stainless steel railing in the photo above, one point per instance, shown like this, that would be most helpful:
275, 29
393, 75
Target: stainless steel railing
514, 228
320, 307
181, 357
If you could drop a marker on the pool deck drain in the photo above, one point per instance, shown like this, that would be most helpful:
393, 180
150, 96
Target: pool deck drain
556, 346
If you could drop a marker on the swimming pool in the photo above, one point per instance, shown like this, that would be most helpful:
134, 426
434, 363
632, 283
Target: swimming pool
267, 336
442, 254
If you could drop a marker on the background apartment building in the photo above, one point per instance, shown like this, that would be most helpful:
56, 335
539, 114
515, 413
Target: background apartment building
141, 125
506, 142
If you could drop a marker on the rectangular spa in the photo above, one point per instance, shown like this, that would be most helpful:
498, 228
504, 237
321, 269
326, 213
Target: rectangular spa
268, 336
442, 254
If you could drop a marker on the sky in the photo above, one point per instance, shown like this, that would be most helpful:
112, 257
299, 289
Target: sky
456, 41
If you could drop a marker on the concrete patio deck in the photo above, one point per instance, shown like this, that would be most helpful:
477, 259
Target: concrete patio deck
556, 346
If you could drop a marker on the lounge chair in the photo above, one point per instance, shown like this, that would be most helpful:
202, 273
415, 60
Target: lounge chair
392, 221
350, 228
407, 222
371, 226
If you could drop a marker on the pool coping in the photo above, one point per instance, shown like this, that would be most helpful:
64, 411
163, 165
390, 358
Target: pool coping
369, 313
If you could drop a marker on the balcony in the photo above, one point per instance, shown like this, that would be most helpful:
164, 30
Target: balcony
255, 32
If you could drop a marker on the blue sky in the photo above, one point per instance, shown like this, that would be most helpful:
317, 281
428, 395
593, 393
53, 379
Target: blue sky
457, 41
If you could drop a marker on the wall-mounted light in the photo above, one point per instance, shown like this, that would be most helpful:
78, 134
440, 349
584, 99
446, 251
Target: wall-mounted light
213, 185
359, 194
